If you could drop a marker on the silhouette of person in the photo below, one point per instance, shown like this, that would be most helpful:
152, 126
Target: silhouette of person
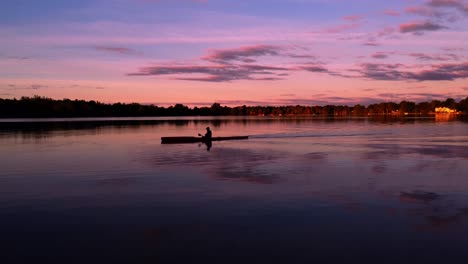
208, 136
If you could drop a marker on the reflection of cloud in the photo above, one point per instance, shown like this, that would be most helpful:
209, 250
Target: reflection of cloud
438, 212
418, 196
443, 222
379, 169
383, 151
125, 181
315, 156
224, 163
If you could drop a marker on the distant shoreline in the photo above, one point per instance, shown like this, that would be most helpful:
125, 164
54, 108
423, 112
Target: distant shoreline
42, 107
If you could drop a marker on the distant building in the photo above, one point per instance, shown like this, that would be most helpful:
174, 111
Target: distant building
445, 110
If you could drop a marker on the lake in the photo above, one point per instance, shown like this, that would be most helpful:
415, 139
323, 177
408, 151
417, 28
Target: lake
299, 190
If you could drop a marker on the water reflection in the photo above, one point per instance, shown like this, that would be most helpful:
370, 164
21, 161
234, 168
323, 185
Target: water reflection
438, 212
45, 126
221, 163
305, 188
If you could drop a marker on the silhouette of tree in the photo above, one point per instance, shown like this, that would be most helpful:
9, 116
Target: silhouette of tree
33, 107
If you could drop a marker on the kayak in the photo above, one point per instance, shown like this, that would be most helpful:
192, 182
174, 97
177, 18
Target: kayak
182, 140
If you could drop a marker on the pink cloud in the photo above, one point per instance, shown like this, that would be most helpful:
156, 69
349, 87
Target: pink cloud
353, 18
423, 11
391, 12
379, 55
342, 28
119, 50
436, 57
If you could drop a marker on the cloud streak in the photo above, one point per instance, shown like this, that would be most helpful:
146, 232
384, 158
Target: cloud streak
243, 54
214, 73
117, 50
436, 57
393, 72
226, 65
419, 27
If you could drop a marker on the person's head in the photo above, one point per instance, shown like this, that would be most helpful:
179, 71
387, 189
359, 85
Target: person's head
208, 128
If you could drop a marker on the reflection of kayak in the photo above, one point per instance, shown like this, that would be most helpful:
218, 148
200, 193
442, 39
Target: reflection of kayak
181, 140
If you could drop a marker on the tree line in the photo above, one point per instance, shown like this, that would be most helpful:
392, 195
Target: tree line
35, 107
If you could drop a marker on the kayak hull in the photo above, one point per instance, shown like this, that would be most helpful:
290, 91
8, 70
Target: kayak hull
183, 140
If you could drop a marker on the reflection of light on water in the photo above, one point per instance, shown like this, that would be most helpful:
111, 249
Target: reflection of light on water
445, 117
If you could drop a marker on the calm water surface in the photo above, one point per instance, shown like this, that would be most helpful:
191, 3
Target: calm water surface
298, 191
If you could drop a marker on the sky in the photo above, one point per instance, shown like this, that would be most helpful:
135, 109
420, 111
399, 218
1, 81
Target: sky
257, 52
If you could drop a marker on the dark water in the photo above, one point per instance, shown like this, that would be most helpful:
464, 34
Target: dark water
298, 191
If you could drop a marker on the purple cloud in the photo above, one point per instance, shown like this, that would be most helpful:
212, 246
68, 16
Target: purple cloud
391, 12
215, 73
437, 57
419, 27
119, 50
342, 28
301, 56
353, 18
235, 64
313, 68
423, 11
458, 4
379, 55
28, 87
371, 44
248, 54
21, 58
393, 72
243, 54
438, 9
228, 72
